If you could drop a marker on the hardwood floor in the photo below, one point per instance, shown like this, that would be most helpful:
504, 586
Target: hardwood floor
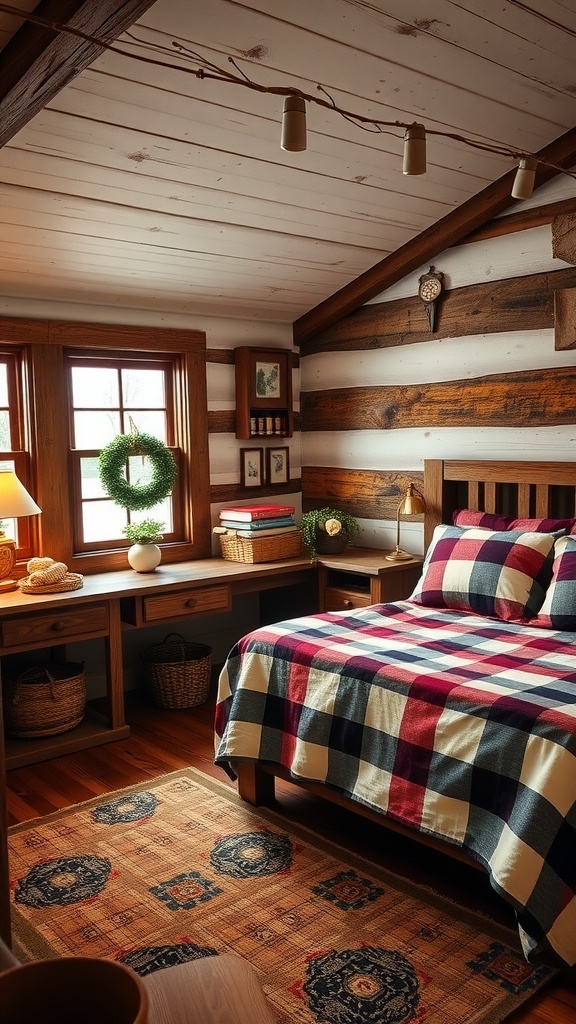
163, 741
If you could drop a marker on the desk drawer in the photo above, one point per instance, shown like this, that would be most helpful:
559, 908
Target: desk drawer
55, 626
181, 603
336, 599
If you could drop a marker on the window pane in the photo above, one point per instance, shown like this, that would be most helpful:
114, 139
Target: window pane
162, 513
5, 442
95, 429
90, 479
102, 520
3, 384
94, 387
143, 388
148, 423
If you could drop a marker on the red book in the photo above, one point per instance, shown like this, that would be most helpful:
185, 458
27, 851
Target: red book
246, 513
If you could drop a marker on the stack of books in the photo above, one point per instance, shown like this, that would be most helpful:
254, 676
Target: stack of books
252, 521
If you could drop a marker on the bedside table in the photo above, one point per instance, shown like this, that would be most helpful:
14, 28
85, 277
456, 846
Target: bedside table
362, 576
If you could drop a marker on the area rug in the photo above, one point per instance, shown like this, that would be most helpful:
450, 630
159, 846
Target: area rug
179, 868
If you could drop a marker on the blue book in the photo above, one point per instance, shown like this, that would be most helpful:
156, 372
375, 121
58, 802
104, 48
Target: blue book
260, 524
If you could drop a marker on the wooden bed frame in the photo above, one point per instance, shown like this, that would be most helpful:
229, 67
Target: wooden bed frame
519, 489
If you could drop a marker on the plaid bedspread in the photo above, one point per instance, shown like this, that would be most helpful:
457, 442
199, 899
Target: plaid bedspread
458, 726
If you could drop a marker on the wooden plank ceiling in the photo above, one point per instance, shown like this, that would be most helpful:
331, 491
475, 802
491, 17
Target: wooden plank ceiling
130, 182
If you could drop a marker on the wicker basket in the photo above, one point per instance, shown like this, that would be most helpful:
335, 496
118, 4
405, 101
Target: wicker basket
260, 549
44, 702
178, 672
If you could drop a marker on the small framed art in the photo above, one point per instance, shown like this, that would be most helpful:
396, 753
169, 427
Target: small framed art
277, 465
251, 467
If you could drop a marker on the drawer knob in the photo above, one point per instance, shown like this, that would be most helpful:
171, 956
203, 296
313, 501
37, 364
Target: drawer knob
191, 602
58, 626
348, 603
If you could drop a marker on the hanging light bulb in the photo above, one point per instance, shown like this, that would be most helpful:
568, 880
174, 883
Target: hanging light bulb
523, 186
414, 150
294, 124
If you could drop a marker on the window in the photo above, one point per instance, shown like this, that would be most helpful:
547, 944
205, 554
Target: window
112, 395
66, 390
12, 444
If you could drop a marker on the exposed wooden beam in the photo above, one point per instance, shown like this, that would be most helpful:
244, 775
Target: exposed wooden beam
425, 247
38, 62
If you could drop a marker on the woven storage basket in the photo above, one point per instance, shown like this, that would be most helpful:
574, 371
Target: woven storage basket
44, 702
178, 672
260, 549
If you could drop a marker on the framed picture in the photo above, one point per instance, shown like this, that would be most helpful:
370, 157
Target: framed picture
277, 465
251, 467
264, 378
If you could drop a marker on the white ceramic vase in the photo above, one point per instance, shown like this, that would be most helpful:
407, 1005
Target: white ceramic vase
144, 557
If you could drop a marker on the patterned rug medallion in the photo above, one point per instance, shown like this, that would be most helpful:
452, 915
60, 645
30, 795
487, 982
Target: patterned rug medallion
180, 868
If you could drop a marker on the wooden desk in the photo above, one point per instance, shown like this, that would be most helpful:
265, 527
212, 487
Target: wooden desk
105, 607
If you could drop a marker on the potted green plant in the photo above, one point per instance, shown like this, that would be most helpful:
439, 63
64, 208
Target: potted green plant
144, 555
327, 531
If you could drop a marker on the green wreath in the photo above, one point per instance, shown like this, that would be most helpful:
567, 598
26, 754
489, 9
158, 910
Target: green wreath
112, 466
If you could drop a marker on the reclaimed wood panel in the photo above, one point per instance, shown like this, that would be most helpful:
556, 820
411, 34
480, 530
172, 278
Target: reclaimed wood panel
507, 305
565, 319
366, 494
524, 399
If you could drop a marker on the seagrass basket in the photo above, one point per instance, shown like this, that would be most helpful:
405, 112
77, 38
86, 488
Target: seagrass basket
260, 549
45, 701
178, 672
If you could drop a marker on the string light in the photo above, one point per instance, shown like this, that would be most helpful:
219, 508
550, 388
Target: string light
523, 186
293, 137
414, 161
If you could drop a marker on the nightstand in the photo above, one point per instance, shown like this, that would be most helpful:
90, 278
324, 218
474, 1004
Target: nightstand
362, 576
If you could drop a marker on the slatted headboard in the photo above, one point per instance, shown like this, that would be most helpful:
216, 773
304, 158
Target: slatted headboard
519, 489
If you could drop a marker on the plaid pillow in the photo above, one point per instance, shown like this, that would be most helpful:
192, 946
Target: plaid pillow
503, 574
559, 608
490, 521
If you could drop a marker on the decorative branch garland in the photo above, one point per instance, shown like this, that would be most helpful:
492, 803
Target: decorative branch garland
205, 68
112, 464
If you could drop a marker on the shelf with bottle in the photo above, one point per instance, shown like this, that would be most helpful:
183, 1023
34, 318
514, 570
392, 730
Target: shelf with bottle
268, 424
263, 392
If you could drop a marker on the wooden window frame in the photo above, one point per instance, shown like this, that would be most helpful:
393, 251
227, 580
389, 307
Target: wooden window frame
168, 364
15, 357
45, 342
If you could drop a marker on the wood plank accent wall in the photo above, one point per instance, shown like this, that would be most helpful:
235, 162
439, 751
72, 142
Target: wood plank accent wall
510, 400
478, 309
488, 383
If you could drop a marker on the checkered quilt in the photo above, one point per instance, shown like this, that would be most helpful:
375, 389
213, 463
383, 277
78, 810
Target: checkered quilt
459, 726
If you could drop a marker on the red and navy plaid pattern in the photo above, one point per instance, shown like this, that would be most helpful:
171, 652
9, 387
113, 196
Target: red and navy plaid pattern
559, 608
456, 725
501, 574
491, 521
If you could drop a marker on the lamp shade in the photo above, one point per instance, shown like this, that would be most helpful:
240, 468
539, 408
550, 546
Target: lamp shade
14, 498
412, 503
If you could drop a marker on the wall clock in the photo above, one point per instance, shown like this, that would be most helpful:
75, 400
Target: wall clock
429, 289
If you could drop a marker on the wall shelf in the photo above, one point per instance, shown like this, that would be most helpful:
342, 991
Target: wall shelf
263, 393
